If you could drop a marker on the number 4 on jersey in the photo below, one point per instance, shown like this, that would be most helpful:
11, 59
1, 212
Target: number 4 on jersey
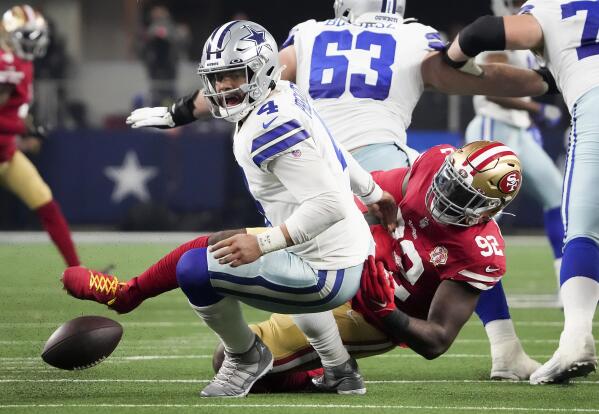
268, 108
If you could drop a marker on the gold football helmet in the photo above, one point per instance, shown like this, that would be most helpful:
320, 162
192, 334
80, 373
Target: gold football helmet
25, 31
474, 183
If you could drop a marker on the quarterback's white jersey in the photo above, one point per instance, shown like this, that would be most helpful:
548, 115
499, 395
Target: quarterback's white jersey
364, 77
290, 159
484, 107
571, 48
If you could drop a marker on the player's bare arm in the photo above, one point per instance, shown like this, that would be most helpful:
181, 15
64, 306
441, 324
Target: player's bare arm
453, 304
496, 79
288, 58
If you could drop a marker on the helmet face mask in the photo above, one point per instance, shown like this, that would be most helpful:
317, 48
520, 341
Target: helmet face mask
244, 55
25, 31
506, 7
474, 184
350, 10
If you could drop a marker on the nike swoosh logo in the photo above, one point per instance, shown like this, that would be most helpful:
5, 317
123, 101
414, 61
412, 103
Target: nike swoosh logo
381, 304
490, 269
267, 124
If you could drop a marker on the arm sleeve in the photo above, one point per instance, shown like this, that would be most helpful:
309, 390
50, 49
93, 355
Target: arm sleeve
322, 203
361, 181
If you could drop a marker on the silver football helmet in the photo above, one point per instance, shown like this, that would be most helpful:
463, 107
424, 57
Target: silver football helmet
506, 7
350, 10
244, 54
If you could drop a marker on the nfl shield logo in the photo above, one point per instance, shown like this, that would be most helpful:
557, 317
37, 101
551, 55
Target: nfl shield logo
439, 256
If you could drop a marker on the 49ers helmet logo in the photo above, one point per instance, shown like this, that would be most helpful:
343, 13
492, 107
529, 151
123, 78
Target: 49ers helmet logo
510, 182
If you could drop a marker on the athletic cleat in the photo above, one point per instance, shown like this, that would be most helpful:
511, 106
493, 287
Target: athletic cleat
575, 357
87, 284
342, 379
239, 372
511, 363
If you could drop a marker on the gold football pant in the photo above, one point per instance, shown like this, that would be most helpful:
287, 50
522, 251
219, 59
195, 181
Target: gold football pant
22, 178
291, 349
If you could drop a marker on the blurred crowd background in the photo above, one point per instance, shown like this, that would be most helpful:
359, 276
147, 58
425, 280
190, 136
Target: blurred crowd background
108, 57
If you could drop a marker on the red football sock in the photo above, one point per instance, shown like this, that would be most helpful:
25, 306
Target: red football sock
162, 276
58, 229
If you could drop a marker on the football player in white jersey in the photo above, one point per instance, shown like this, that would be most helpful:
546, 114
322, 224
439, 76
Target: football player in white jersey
564, 34
512, 121
310, 258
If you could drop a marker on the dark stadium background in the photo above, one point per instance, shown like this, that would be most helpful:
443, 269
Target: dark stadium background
95, 74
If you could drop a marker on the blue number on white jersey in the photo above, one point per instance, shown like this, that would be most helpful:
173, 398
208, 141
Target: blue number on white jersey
588, 42
336, 67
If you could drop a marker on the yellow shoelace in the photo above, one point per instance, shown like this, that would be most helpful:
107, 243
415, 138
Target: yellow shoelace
103, 284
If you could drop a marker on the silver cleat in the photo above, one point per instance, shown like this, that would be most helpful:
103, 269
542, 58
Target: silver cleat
240, 371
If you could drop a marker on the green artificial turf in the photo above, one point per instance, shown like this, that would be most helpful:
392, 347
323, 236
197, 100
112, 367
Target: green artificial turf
163, 359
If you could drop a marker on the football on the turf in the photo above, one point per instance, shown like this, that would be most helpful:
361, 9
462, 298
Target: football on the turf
82, 342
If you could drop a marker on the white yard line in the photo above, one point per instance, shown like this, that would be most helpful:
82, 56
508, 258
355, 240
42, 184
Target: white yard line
303, 406
202, 381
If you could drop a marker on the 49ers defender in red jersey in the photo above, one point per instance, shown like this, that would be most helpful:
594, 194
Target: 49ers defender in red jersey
23, 36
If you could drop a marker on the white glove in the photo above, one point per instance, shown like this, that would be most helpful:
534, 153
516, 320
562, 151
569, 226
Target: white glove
549, 114
471, 68
158, 117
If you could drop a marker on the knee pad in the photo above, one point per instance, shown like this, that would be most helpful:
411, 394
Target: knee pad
581, 258
194, 278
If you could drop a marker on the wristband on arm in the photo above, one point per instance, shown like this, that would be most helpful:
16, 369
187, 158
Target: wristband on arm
182, 109
271, 240
375, 193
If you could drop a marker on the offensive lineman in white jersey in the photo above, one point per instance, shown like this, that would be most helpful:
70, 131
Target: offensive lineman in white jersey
366, 70
512, 121
310, 257
564, 33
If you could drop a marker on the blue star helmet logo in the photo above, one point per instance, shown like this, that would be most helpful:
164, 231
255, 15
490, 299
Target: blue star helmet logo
257, 37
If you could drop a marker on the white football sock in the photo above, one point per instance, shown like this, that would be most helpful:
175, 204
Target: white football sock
226, 320
557, 265
500, 331
579, 295
323, 334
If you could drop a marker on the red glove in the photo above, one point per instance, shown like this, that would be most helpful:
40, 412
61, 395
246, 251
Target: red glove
376, 297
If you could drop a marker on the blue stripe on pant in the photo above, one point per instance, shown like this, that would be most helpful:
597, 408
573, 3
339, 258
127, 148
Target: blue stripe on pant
580, 202
278, 282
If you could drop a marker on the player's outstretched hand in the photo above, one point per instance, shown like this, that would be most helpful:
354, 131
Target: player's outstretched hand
237, 250
386, 211
157, 117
